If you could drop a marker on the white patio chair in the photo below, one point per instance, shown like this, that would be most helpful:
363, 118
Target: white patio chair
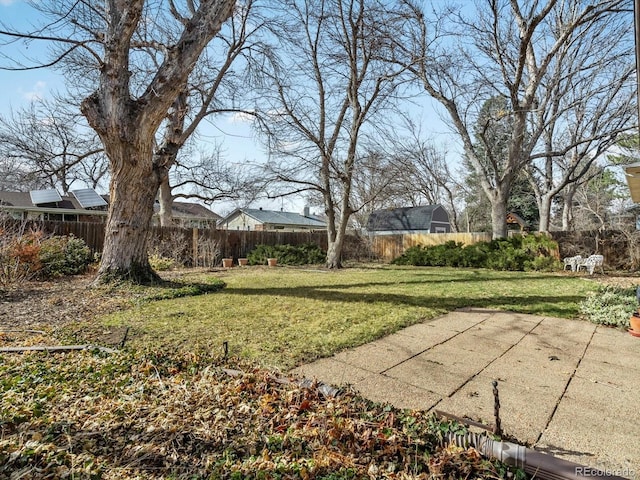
572, 262
591, 263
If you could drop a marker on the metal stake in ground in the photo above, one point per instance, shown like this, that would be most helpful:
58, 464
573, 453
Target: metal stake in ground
124, 338
225, 346
497, 429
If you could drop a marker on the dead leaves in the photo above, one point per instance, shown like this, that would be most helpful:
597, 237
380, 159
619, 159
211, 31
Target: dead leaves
152, 416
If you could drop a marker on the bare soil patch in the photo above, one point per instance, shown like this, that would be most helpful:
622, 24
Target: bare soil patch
50, 304
36, 312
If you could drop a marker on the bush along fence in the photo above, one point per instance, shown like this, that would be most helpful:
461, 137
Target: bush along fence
192, 246
205, 247
531, 252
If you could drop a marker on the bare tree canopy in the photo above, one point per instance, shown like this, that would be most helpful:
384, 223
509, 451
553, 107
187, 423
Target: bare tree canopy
47, 145
216, 87
515, 50
131, 94
330, 79
586, 100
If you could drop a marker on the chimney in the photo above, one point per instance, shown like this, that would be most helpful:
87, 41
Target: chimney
305, 211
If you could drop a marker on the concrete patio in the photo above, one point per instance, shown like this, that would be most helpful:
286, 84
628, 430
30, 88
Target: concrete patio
567, 387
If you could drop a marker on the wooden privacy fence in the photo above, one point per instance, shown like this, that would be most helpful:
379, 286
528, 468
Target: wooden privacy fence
200, 246
388, 247
191, 246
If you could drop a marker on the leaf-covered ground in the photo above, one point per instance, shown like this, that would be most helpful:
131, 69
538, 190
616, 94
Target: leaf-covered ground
150, 416
137, 414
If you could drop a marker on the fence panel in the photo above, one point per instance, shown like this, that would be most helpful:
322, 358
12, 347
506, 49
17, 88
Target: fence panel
388, 247
184, 243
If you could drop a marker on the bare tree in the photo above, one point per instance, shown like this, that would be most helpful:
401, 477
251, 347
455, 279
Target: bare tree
322, 92
207, 177
46, 145
373, 183
506, 48
587, 98
595, 199
127, 105
423, 174
218, 85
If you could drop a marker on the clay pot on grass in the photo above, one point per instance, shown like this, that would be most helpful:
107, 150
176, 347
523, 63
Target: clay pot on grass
272, 262
227, 262
242, 262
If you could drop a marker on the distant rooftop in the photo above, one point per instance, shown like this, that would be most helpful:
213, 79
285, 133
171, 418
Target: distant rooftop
284, 218
402, 219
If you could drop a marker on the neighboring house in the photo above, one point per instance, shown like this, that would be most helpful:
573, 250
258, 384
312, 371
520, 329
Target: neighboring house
269, 220
83, 205
86, 205
396, 221
515, 219
632, 176
190, 215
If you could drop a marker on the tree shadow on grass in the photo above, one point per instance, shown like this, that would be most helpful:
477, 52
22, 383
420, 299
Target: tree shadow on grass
556, 305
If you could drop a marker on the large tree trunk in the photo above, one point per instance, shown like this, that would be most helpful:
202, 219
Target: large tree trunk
127, 127
165, 199
334, 253
498, 215
132, 195
544, 210
336, 244
567, 207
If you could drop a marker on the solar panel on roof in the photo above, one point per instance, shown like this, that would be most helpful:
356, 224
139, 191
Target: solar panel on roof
88, 198
39, 197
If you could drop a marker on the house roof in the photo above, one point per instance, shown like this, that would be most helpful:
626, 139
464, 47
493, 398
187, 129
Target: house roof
192, 210
514, 218
405, 218
279, 218
23, 201
632, 175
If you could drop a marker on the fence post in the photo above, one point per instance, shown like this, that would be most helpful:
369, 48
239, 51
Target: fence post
194, 241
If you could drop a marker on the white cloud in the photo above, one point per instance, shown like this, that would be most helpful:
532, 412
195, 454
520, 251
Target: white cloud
6, 3
241, 117
36, 91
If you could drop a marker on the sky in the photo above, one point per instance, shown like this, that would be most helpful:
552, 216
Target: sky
21, 87
232, 133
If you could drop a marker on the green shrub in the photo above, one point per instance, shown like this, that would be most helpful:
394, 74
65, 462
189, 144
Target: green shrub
412, 256
63, 255
543, 264
161, 264
610, 306
507, 254
474, 255
533, 252
259, 255
304, 254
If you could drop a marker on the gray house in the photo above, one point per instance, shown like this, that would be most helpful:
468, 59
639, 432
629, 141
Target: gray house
397, 221
86, 205
270, 220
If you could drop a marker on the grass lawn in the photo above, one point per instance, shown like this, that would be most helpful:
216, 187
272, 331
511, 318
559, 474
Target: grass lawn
283, 317
169, 408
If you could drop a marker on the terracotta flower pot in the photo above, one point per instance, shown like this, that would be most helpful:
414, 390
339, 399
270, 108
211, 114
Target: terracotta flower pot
634, 321
272, 262
227, 262
242, 262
